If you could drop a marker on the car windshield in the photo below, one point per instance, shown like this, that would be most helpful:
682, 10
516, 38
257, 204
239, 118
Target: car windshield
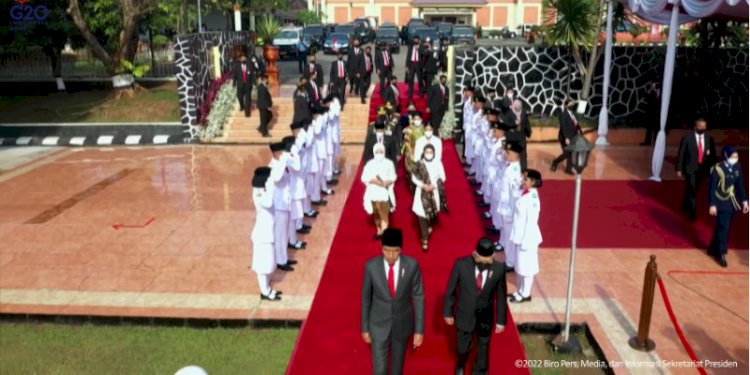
444, 27
347, 29
388, 31
314, 30
424, 33
462, 31
287, 34
338, 37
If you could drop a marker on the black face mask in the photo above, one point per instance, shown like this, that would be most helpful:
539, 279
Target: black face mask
483, 266
700, 131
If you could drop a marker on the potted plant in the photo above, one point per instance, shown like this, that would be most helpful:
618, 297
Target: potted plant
268, 27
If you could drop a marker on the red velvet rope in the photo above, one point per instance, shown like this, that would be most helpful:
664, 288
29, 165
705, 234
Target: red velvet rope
676, 325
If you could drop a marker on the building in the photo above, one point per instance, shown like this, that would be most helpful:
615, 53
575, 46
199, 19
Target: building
490, 14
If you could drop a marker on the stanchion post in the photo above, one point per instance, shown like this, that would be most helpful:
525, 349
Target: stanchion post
641, 341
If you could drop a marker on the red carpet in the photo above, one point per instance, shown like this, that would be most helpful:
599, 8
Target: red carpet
330, 341
630, 214
376, 101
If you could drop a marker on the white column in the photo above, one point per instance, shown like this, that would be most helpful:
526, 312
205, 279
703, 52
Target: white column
657, 159
604, 113
517, 14
474, 18
237, 18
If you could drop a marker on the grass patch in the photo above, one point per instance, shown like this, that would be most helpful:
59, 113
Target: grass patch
88, 349
538, 349
158, 104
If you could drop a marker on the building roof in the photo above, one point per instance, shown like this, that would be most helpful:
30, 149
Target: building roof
451, 3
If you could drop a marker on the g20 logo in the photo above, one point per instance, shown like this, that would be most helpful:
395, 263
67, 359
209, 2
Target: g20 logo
21, 12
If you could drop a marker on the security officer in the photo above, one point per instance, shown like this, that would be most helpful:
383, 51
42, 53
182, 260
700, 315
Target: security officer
726, 196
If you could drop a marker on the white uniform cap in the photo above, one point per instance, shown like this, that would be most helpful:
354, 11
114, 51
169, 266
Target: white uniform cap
191, 370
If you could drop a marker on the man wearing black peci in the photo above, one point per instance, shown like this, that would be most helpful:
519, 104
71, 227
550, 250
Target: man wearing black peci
437, 101
243, 81
476, 284
568, 129
694, 161
314, 96
302, 110
391, 94
265, 103
355, 61
384, 66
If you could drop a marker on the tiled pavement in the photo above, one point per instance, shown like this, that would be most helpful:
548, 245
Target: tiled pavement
192, 260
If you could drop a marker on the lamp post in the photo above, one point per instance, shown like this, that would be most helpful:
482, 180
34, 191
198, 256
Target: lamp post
580, 149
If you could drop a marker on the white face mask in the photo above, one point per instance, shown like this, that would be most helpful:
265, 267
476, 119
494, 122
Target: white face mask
510, 94
417, 122
428, 133
429, 157
379, 157
732, 161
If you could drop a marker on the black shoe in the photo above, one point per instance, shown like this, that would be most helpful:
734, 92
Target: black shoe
491, 230
459, 371
319, 203
306, 227
474, 183
333, 182
514, 299
645, 143
266, 135
284, 267
553, 167
482, 204
312, 215
570, 173
336, 173
291, 262
509, 269
297, 246
723, 261
303, 230
272, 297
327, 192
364, 101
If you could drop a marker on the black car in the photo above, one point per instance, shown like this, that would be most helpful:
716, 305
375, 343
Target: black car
316, 32
408, 30
462, 34
350, 30
336, 42
363, 31
443, 29
425, 33
388, 36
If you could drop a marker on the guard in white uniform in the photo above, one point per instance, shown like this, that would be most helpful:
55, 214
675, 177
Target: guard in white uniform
429, 138
297, 192
303, 141
469, 126
317, 148
510, 190
526, 235
467, 109
263, 262
335, 110
331, 119
320, 127
494, 166
482, 150
282, 201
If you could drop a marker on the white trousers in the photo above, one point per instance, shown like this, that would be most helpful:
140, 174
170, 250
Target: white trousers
322, 181
524, 285
281, 236
312, 185
510, 247
292, 230
264, 284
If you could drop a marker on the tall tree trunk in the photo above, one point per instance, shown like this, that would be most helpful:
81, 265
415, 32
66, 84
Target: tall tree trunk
74, 10
184, 28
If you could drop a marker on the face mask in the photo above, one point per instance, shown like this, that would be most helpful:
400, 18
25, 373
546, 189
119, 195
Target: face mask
379, 157
428, 133
482, 266
429, 157
418, 122
510, 94
700, 131
341, 58
732, 161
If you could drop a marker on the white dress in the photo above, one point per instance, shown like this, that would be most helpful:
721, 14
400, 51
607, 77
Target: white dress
436, 172
262, 236
423, 141
525, 234
373, 193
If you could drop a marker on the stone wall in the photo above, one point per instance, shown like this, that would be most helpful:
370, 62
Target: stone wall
709, 83
193, 69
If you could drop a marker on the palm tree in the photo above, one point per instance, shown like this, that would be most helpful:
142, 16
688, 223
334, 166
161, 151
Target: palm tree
576, 24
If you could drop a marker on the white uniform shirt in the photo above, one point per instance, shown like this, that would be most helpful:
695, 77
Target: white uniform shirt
282, 198
510, 189
296, 175
263, 227
525, 232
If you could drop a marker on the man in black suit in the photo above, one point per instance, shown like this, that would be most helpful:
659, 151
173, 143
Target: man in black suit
392, 305
378, 135
264, 105
519, 128
568, 129
367, 76
257, 66
355, 61
338, 78
384, 66
478, 282
391, 94
413, 66
443, 54
507, 100
314, 67
302, 111
243, 81
652, 114
437, 101
694, 160
314, 95
430, 67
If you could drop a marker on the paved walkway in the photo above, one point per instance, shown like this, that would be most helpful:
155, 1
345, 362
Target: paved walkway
62, 255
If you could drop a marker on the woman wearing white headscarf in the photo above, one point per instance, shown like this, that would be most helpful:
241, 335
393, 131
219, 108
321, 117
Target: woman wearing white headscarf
429, 195
378, 175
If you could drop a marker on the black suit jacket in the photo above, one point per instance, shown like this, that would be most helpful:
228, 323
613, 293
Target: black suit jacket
237, 74
568, 128
356, 62
409, 64
687, 157
472, 306
264, 98
301, 109
311, 93
319, 78
364, 64
335, 72
436, 101
384, 315
520, 134
504, 103
380, 62
391, 152
430, 61
258, 67
389, 95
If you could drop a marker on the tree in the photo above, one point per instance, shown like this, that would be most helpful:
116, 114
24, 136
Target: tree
577, 25
110, 29
308, 17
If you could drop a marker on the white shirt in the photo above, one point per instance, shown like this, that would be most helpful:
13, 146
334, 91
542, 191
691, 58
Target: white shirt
484, 275
396, 272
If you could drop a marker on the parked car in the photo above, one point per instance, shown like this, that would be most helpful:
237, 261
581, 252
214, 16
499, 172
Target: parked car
371, 21
524, 29
425, 33
407, 32
443, 29
313, 44
364, 32
462, 34
351, 30
336, 42
507, 33
388, 35
287, 41
317, 32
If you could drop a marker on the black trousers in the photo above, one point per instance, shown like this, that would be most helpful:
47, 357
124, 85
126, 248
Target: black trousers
437, 118
380, 354
365, 85
427, 78
385, 76
301, 61
720, 239
243, 96
411, 74
692, 183
567, 156
265, 119
339, 88
354, 83
464, 341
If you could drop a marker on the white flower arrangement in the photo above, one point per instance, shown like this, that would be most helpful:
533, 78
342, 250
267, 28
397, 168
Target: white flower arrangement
221, 109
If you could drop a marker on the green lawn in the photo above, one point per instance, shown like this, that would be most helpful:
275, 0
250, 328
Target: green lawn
157, 104
89, 349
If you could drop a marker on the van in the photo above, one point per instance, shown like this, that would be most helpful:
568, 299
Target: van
287, 41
